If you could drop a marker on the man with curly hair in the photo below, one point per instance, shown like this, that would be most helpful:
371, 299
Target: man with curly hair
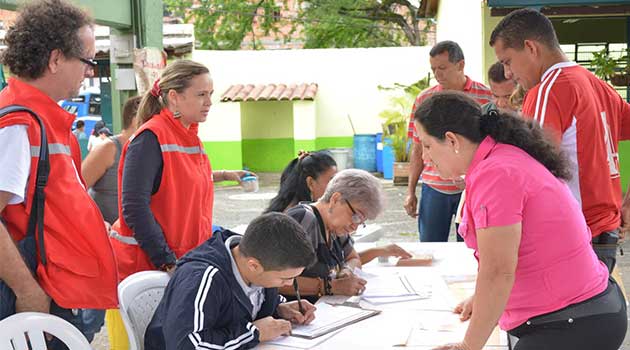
50, 51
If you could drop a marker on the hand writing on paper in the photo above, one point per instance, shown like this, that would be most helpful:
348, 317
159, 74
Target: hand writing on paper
465, 309
269, 328
351, 285
291, 311
453, 346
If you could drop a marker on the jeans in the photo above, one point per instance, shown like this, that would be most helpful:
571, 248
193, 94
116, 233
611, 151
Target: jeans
605, 247
88, 321
436, 210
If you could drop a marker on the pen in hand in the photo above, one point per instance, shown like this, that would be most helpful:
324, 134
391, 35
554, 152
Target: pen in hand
297, 295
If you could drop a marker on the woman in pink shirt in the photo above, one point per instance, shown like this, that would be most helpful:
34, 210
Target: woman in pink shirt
538, 275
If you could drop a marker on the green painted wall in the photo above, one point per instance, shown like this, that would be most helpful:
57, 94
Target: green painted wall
224, 155
267, 155
624, 164
334, 142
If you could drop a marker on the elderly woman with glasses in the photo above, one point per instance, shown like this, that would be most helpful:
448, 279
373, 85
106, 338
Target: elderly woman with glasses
351, 197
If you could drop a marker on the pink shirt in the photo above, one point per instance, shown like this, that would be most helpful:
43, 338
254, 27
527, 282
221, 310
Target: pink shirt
556, 264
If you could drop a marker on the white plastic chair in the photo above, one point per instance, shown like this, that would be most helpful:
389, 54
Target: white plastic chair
139, 296
15, 329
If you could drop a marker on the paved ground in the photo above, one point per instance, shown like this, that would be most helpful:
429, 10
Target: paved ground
233, 207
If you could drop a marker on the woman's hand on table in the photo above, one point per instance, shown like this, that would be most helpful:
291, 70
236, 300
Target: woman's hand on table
453, 346
350, 285
465, 308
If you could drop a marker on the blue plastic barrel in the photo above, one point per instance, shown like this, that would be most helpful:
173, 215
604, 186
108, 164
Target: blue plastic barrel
388, 160
365, 152
379, 152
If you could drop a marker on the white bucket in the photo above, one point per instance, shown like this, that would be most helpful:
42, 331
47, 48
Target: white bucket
341, 157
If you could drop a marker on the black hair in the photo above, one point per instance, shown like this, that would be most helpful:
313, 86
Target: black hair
460, 114
278, 242
97, 127
455, 53
41, 27
80, 124
496, 73
293, 187
524, 24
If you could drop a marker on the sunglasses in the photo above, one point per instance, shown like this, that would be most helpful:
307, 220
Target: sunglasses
357, 218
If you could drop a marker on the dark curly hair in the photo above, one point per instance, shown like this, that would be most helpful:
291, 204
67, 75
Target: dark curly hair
41, 27
460, 114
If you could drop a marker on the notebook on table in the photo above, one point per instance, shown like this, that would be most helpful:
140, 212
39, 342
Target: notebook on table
329, 318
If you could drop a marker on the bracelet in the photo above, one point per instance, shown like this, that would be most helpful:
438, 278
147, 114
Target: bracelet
327, 287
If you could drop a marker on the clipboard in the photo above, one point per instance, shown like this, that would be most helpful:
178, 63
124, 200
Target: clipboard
330, 318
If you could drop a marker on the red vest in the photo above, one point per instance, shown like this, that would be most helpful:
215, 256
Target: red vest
81, 268
182, 206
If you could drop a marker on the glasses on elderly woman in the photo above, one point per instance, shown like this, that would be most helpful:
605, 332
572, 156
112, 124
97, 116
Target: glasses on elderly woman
357, 218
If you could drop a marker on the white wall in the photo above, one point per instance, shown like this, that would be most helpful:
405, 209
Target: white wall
347, 78
461, 21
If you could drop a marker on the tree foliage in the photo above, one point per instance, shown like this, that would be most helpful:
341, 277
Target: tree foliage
225, 24
360, 23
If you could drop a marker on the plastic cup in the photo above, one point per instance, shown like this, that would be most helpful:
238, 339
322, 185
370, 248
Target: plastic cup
249, 183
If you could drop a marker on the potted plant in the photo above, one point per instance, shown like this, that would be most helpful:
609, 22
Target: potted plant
396, 123
617, 71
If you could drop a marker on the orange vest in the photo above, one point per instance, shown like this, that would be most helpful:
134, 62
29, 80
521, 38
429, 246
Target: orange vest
182, 206
81, 268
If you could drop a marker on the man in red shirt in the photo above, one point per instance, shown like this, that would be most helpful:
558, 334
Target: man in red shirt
440, 197
585, 115
69, 269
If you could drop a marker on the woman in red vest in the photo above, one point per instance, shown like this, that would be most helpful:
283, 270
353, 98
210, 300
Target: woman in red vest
165, 182
165, 179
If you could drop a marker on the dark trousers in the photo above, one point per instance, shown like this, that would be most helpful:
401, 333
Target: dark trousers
435, 213
605, 247
572, 328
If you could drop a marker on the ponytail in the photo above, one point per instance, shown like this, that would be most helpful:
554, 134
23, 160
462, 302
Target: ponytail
458, 113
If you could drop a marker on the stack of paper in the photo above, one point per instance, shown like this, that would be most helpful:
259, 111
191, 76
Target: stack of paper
394, 288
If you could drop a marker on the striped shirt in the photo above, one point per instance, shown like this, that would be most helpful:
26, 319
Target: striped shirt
430, 175
587, 118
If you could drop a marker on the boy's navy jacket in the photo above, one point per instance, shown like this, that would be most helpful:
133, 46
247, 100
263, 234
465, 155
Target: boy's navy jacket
204, 307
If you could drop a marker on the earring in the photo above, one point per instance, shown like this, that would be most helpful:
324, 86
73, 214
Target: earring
177, 115
456, 151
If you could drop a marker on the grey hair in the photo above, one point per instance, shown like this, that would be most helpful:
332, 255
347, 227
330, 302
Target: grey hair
358, 186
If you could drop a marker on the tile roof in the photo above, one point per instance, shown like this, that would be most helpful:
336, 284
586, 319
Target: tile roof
269, 92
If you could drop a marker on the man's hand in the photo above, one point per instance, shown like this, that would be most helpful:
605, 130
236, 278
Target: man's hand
411, 205
269, 328
291, 311
33, 299
351, 285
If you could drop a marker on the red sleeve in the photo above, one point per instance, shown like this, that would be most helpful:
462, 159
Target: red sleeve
547, 110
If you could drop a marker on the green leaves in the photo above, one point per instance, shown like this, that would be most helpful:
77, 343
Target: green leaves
235, 24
